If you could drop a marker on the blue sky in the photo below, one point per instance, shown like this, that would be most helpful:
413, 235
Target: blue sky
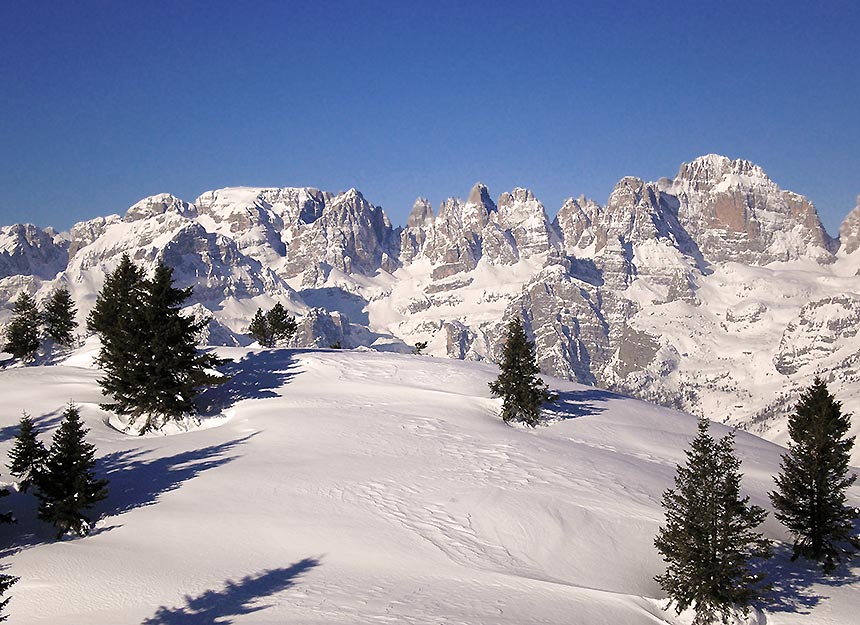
103, 103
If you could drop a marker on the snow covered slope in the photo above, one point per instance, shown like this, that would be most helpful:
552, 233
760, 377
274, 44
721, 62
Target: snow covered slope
356, 487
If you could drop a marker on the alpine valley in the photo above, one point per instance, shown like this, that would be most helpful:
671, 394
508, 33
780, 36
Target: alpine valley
716, 292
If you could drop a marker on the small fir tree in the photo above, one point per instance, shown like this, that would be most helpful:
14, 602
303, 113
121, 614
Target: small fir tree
58, 317
22, 333
282, 324
273, 326
6, 582
260, 331
810, 490
709, 541
28, 454
67, 486
521, 389
419, 348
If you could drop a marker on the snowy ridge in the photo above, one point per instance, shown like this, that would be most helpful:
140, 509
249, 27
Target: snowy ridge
694, 292
359, 487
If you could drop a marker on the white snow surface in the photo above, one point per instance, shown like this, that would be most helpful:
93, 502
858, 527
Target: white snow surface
353, 487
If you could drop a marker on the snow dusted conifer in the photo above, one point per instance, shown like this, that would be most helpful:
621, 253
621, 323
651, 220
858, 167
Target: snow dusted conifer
28, 454
810, 489
67, 486
709, 541
58, 316
22, 333
521, 389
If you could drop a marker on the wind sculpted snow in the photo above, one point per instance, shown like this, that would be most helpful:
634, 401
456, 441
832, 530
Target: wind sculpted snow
357, 487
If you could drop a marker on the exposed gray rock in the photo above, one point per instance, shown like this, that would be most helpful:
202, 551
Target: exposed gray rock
849, 231
28, 250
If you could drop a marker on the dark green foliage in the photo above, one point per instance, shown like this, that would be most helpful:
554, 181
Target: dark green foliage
153, 369
810, 490
420, 346
709, 541
28, 454
518, 384
6, 582
22, 333
67, 486
273, 326
335, 345
117, 319
58, 317
5, 517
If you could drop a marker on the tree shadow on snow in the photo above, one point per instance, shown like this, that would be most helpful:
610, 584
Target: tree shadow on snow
792, 582
256, 376
575, 404
217, 607
137, 481
44, 423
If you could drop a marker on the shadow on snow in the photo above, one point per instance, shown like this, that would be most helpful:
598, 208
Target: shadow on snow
217, 607
574, 404
258, 375
43, 423
792, 582
135, 481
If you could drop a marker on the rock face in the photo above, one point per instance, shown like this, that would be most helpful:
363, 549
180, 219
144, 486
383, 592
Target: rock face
667, 292
736, 213
849, 231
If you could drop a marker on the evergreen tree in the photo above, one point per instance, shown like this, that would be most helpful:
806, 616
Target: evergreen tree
260, 331
282, 324
58, 317
273, 326
709, 540
153, 369
810, 490
419, 348
117, 319
67, 486
174, 369
22, 333
28, 454
6, 582
521, 389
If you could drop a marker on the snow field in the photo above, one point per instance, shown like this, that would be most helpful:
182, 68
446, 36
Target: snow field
354, 487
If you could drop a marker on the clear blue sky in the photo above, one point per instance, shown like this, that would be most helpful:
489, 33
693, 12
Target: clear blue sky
103, 103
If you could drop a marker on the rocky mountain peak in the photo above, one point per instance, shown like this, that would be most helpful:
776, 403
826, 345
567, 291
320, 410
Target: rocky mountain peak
421, 215
481, 195
160, 204
849, 230
705, 172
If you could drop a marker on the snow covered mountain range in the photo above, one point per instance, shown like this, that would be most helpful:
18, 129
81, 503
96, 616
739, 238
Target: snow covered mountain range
715, 292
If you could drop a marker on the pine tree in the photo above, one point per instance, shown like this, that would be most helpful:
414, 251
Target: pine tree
709, 540
67, 486
152, 367
259, 329
117, 319
282, 324
174, 370
22, 333
521, 389
58, 317
6, 582
28, 454
273, 326
810, 490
